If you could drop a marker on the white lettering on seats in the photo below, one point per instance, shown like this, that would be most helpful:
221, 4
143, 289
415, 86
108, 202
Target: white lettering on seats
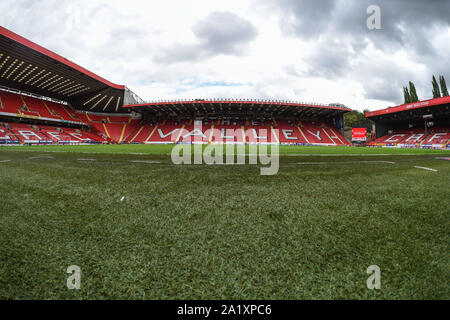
316, 135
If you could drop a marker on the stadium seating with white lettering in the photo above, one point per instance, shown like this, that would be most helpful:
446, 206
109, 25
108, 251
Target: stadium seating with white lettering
435, 135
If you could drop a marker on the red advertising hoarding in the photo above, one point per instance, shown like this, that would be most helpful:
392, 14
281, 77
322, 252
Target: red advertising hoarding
359, 134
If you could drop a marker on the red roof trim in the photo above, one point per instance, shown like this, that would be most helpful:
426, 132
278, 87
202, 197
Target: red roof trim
15, 37
409, 106
236, 101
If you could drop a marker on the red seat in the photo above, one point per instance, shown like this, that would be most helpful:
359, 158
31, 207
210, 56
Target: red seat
436, 135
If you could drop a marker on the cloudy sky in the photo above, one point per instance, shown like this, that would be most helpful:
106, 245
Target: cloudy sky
318, 50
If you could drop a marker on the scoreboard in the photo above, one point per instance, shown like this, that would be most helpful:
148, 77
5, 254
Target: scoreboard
359, 134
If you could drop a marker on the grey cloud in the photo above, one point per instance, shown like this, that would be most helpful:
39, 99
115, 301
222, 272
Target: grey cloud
384, 79
333, 27
68, 28
219, 33
330, 59
405, 23
291, 70
400, 19
305, 18
224, 32
382, 89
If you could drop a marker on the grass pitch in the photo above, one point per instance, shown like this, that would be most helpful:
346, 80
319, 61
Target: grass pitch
223, 232
165, 149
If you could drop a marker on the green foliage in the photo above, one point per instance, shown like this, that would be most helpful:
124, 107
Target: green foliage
413, 93
222, 232
436, 92
356, 119
443, 86
407, 97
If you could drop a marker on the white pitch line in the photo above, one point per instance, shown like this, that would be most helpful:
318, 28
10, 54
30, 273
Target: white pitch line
425, 168
42, 157
86, 159
344, 162
381, 161
5, 160
145, 161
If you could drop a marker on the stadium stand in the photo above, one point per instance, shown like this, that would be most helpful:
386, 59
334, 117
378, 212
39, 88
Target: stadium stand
27, 134
115, 127
10, 104
41, 134
6, 136
424, 124
120, 128
238, 121
140, 133
224, 131
25, 106
228, 131
68, 135
418, 137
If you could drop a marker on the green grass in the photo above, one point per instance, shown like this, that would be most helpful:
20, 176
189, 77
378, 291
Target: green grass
165, 149
222, 232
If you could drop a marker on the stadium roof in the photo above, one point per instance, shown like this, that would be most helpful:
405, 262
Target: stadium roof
236, 107
28, 67
412, 110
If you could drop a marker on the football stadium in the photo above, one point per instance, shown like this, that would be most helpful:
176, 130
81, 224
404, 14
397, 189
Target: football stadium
88, 179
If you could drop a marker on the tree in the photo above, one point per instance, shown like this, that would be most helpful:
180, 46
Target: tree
355, 119
406, 95
412, 92
443, 86
436, 92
